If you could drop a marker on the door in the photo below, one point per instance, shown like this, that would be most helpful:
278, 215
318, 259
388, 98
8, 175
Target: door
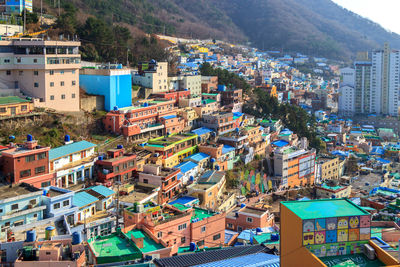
79, 216
105, 205
13, 110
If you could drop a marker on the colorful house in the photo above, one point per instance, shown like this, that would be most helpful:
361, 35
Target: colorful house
319, 232
13, 105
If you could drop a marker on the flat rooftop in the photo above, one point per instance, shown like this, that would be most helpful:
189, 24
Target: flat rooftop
324, 208
149, 244
16, 190
253, 211
12, 100
201, 214
112, 246
351, 260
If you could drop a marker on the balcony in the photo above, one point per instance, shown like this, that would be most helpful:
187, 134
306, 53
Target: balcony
153, 127
18, 213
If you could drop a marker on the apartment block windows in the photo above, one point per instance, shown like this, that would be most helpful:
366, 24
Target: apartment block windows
51, 84
40, 169
249, 219
36, 73
62, 83
8, 72
52, 97
73, 83
30, 158
56, 206
36, 85
181, 227
73, 96
62, 96
52, 72
25, 173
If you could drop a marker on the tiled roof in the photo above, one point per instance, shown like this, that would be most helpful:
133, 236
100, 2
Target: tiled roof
209, 256
72, 148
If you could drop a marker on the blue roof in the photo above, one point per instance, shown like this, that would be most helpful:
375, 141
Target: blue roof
169, 117
201, 131
179, 176
238, 114
198, 157
228, 235
72, 148
227, 149
247, 234
377, 150
183, 200
102, 190
384, 161
258, 259
186, 166
280, 143
83, 198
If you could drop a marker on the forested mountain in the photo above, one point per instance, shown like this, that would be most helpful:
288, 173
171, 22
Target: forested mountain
316, 27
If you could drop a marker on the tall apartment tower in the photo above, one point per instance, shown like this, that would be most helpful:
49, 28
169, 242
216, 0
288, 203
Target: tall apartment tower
47, 71
376, 84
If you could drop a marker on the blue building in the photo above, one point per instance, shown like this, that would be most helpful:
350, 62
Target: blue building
20, 205
15, 6
115, 84
59, 202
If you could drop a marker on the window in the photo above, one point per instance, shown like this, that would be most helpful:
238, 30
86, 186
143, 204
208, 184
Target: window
52, 97
183, 239
203, 229
45, 184
14, 206
3, 110
159, 234
36, 73
52, 72
217, 236
62, 96
25, 173
230, 225
41, 156
56, 206
200, 243
40, 169
8, 72
24, 108
51, 84
35, 60
73, 96
73, 83
36, 85
181, 227
21, 73
62, 83
65, 203
61, 72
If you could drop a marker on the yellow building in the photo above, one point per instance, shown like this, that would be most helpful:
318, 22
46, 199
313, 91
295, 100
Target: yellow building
320, 232
327, 168
13, 105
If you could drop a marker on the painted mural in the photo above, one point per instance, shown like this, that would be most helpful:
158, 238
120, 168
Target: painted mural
336, 230
341, 248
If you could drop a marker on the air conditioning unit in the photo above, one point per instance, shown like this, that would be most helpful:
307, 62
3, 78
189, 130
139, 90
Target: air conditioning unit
369, 252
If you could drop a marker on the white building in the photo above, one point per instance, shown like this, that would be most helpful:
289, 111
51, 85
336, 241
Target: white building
153, 75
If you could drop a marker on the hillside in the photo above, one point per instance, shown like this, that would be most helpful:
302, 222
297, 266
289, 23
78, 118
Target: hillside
316, 27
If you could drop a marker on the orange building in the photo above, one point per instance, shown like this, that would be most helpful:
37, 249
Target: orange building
13, 105
320, 232
242, 218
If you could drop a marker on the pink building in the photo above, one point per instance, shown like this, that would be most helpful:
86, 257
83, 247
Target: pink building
242, 218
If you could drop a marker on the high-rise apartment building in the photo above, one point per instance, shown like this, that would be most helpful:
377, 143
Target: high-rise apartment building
47, 71
375, 86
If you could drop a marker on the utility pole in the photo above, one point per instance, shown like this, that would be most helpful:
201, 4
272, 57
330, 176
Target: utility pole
127, 57
117, 215
41, 12
59, 10
24, 20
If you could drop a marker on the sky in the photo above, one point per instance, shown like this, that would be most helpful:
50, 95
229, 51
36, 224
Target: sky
384, 12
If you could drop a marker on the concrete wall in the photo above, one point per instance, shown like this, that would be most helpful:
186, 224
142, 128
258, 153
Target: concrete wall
90, 103
7, 29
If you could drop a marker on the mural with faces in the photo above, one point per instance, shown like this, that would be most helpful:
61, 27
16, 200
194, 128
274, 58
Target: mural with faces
365, 221
354, 222
342, 235
308, 238
365, 233
331, 223
343, 223
308, 226
331, 236
320, 224
320, 237
354, 234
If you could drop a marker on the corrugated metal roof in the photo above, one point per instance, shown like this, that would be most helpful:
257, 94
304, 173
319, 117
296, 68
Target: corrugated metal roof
82, 199
186, 166
169, 117
198, 157
254, 260
102, 190
66, 150
227, 149
201, 131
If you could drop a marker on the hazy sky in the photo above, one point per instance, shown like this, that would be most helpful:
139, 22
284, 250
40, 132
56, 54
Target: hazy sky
384, 12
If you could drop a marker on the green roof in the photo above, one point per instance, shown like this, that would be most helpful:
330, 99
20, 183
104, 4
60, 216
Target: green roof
201, 214
337, 187
351, 260
209, 101
113, 246
209, 94
180, 206
12, 100
265, 238
149, 244
324, 208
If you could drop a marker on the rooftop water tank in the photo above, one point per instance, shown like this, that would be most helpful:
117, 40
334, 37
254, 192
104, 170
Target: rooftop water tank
115, 108
120, 146
30, 236
192, 246
67, 138
76, 238
242, 205
11, 137
100, 158
212, 160
29, 138
50, 231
